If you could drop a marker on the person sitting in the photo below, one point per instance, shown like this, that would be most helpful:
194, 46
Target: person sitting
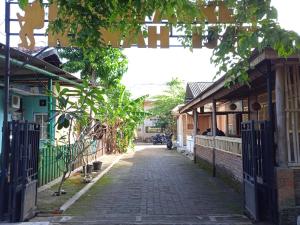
220, 132
208, 130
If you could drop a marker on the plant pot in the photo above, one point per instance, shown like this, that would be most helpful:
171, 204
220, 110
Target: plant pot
89, 169
97, 165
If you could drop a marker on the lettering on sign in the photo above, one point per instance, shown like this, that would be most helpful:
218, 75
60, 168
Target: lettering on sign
33, 18
159, 34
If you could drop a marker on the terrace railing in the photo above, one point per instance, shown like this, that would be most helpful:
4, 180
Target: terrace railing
227, 144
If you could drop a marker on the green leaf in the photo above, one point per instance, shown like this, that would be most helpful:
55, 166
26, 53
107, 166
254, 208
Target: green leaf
66, 123
23, 4
57, 87
61, 121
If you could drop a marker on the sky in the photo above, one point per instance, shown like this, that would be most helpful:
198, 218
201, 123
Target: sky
150, 69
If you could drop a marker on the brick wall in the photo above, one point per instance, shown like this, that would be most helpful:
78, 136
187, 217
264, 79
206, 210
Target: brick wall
288, 196
231, 163
204, 153
297, 185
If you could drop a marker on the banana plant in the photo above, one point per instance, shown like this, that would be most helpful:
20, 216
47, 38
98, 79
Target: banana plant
80, 110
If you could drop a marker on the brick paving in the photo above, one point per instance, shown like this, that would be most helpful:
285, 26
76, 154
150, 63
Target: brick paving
157, 186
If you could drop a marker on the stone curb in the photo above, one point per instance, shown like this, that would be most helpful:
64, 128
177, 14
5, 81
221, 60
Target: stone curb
73, 199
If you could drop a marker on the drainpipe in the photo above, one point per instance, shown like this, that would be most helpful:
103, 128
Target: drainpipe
39, 70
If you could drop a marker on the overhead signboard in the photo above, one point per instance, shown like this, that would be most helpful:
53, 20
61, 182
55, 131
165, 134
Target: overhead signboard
159, 33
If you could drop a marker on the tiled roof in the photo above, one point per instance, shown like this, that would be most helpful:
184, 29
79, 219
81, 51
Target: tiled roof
193, 89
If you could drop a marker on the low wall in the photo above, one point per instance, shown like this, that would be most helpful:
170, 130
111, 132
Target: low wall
228, 157
231, 162
226, 162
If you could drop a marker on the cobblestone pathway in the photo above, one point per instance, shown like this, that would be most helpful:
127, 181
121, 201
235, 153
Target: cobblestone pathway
157, 186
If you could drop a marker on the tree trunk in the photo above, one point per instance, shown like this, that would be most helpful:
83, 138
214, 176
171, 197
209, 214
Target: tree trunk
61, 183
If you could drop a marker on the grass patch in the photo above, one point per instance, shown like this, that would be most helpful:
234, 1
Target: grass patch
88, 197
49, 203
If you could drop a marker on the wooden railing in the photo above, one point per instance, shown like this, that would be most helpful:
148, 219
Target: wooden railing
227, 144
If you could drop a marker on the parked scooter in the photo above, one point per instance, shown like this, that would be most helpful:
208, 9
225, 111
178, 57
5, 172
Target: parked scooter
163, 139
157, 139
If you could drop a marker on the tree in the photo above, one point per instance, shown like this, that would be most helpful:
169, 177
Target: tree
164, 103
122, 115
72, 107
100, 101
105, 66
90, 107
254, 26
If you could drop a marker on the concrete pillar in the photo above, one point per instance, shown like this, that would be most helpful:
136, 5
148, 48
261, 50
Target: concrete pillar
195, 114
214, 119
280, 117
214, 133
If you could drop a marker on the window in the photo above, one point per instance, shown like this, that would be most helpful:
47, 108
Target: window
42, 120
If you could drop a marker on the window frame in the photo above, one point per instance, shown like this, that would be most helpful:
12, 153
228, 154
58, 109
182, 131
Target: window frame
41, 125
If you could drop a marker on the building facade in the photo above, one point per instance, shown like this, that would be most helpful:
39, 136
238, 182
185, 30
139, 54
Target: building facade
259, 143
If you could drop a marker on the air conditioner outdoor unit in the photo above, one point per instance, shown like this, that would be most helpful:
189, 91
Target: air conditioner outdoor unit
15, 102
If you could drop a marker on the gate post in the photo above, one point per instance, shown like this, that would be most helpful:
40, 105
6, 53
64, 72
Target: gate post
280, 117
254, 163
4, 151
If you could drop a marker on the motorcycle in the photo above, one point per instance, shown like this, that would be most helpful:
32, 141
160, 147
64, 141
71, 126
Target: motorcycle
157, 139
163, 139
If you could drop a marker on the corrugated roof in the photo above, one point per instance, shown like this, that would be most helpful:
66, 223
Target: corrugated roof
193, 89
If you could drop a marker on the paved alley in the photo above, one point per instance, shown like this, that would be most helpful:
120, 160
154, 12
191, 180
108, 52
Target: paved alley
157, 186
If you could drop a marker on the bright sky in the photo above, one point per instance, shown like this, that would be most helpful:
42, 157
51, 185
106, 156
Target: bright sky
150, 69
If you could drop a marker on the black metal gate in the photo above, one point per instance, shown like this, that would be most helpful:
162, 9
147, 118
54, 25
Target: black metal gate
258, 170
21, 172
